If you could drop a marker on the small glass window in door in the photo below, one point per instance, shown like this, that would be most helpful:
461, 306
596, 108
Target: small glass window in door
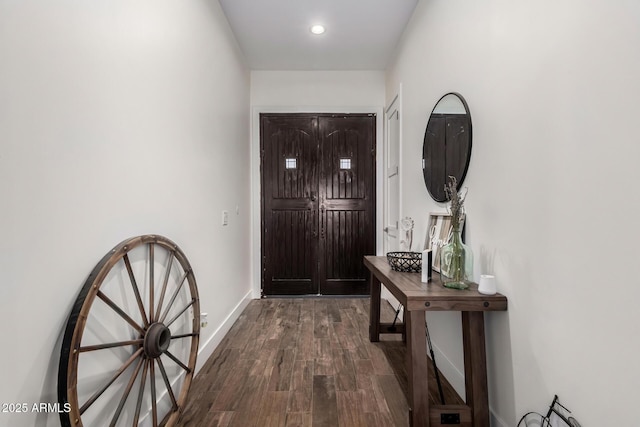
345, 163
291, 163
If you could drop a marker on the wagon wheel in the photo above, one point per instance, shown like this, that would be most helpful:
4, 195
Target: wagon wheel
129, 349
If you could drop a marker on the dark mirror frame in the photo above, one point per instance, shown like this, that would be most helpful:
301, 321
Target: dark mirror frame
446, 150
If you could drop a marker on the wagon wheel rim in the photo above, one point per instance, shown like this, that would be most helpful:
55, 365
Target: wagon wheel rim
146, 287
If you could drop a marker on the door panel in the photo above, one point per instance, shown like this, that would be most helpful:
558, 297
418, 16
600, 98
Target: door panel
318, 203
289, 220
292, 268
346, 203
345, 243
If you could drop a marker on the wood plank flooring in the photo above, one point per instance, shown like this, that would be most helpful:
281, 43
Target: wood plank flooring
307, 363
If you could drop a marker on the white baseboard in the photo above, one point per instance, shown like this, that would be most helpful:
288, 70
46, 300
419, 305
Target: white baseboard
496, 421
451, 372
207, 348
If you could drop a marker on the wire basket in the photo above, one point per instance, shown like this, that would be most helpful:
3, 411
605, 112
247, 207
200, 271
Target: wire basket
406, 262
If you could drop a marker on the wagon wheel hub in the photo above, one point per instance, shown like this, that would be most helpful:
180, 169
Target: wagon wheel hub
156, 340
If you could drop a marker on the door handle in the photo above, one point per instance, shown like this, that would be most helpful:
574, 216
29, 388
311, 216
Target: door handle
386, 229
313, 197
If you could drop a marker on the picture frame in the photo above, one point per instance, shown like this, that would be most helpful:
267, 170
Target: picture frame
438, 234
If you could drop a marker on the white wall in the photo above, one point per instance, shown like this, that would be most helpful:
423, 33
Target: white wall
320, 89
117, 119
552, 207
310, 92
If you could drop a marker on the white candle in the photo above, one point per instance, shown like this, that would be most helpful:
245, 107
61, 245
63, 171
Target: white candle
426, 265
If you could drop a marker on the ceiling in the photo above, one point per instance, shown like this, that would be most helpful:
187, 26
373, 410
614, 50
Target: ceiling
360, 34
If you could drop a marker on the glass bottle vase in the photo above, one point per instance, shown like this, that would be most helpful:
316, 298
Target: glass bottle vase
456, 262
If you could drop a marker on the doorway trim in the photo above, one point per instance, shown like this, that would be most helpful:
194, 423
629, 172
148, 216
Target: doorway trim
396, 102
256, 244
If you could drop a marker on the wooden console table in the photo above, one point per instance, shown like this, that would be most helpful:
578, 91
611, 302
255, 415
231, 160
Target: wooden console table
416, 298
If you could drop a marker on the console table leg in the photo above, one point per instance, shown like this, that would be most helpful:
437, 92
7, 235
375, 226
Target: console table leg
374, 309
475, 366
417, 370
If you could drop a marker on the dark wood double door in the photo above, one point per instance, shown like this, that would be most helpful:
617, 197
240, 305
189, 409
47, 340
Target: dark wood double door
318, 203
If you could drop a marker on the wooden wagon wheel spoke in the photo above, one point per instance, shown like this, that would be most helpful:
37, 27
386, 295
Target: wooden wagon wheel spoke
154, 405
167, 384
109, 345
125, 395
143, 379
136, 290
173, 298
119, 372
178, 362
181, 336
164, 284
152, 282
170, 322
141, 348
121, 312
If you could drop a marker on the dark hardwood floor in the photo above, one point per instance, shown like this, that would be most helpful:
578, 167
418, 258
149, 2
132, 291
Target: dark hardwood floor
304, 362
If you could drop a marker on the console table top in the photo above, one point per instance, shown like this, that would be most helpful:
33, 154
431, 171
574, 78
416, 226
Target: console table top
431, 296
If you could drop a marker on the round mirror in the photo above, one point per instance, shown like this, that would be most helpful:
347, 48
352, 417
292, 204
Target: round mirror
447, 145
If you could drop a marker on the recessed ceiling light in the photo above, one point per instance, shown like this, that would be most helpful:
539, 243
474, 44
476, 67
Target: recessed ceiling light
317, 29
